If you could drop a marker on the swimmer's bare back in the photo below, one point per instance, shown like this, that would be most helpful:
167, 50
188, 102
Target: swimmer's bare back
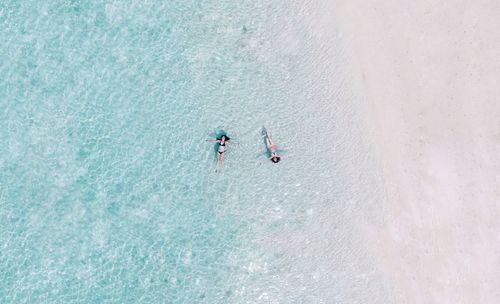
275, 158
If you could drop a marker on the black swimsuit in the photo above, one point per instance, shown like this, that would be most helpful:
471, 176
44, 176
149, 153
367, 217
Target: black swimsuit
221, 145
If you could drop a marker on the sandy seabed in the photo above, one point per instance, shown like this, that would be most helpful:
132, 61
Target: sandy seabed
426, 76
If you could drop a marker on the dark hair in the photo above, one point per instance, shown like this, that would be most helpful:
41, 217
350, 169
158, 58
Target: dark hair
276, 159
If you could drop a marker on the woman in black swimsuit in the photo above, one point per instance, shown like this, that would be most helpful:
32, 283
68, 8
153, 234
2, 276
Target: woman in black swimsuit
222, 140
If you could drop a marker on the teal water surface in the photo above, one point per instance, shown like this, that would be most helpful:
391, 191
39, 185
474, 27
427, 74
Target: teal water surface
107, 189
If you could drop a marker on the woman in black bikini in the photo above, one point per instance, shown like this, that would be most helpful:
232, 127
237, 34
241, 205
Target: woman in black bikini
222, 140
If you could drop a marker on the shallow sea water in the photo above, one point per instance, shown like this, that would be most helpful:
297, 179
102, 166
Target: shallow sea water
107, 189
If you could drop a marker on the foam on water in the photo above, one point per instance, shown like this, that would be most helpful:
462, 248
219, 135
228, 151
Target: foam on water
107, 190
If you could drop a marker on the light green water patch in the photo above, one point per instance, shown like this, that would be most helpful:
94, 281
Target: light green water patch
107, 189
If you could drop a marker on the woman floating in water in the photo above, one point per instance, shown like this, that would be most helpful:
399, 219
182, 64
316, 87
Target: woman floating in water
275, 158
222, 140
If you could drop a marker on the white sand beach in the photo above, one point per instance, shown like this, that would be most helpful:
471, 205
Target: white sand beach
427, 75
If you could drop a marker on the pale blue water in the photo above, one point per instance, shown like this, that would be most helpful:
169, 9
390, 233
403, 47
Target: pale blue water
107, 189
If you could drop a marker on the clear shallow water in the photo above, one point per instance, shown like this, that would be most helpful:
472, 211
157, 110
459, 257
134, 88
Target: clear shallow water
107, 190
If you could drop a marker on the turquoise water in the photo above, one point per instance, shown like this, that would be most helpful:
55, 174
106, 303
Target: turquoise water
107, 189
